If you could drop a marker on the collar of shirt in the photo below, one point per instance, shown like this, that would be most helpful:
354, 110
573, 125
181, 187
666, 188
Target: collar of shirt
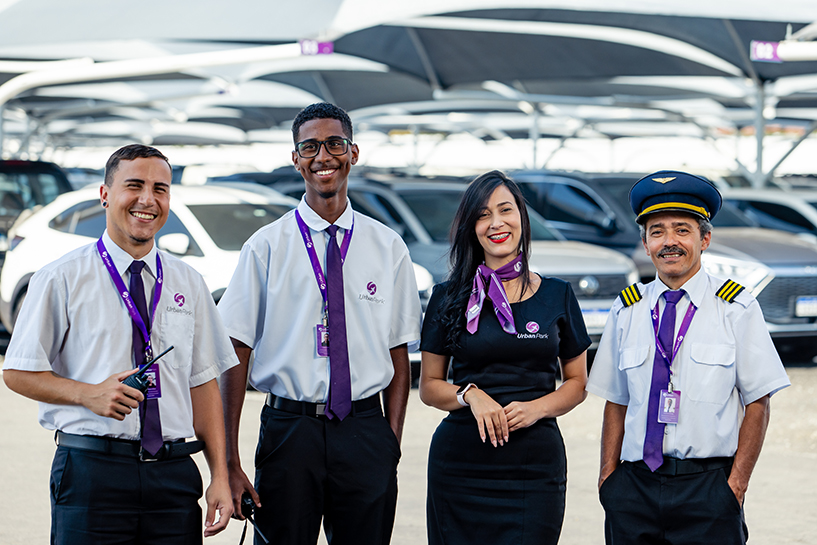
317, 223
695, 289
122, 259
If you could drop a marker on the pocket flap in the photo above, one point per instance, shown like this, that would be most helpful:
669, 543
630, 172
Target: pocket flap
633, 357
713, 354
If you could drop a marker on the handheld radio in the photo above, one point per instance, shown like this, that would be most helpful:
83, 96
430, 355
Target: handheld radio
138, 380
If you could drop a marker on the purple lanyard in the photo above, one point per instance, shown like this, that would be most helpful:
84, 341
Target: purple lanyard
313, 256
681, 333
123, 292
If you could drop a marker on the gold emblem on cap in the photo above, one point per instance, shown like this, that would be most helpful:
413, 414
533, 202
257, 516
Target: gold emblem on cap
663, 180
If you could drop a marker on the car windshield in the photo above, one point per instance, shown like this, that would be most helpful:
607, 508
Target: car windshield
728, 216
731, 216
230, 225
22, 190
436, 208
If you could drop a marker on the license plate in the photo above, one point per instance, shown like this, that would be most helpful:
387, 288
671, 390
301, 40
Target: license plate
805, 306
595, 318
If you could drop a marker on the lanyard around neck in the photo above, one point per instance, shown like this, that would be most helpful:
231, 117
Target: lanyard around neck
126, 297
313, 256
681, 333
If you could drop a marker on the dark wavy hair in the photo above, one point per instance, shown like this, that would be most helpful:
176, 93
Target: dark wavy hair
466, 253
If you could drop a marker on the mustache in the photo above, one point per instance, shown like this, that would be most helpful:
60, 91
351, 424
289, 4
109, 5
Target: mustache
671, 250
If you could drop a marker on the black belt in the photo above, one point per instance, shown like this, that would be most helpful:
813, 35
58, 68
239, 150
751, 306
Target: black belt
690, 466
319, 409
130, 449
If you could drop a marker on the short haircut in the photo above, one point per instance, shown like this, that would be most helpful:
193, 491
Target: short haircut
322, 110
704, 225
129, 153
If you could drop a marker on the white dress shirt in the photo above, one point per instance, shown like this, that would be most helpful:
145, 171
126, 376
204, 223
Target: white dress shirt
75, 323
727, 360
273, 305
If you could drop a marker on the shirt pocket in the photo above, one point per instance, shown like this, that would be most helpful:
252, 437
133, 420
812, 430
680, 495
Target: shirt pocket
711, 373
175, 329
639, 376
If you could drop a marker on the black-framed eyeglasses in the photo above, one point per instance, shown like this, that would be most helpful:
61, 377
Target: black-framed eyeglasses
310, 148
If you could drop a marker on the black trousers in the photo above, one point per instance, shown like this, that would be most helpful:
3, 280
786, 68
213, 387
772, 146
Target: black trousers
646, 508
308, 468
104, 499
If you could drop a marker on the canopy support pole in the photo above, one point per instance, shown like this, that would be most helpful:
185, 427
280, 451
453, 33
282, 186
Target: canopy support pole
759, 178
2, 134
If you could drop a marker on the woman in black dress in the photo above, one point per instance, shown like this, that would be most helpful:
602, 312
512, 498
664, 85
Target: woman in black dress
496, 467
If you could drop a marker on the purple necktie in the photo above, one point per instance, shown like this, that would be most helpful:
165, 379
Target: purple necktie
340, 387
654, 440
149, 409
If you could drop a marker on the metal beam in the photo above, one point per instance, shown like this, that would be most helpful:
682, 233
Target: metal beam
811, 128
144, 67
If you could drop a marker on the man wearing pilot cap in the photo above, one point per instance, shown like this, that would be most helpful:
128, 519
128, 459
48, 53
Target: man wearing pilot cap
687, 367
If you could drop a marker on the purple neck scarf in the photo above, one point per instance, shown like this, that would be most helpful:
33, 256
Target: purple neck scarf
496, 292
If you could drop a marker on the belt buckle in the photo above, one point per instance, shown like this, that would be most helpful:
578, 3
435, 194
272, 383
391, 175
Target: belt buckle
320, 409
161, 454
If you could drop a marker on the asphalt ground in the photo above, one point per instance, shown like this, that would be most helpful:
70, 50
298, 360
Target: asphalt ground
780, 504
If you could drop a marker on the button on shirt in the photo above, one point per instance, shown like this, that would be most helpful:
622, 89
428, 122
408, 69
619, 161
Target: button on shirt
726, 360
273, 305
75, 323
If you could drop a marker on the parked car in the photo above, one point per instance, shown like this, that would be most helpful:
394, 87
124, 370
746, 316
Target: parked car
792, 211
27, 185
422, 212
206, 227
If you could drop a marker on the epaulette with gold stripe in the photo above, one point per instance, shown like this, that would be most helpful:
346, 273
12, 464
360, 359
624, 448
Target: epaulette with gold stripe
630, 295
729, 291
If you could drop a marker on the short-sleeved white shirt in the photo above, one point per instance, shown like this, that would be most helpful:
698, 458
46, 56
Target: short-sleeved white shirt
273, 305
726, 360
75, 323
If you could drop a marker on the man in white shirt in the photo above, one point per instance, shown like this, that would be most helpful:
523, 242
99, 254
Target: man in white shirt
122, 469
321, 272
687, 395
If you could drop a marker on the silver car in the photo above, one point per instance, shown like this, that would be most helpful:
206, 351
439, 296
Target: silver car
422, 212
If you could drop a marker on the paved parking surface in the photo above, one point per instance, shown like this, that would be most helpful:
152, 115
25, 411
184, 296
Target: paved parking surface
779, 505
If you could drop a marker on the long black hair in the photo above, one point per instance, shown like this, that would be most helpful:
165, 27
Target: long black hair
466, 252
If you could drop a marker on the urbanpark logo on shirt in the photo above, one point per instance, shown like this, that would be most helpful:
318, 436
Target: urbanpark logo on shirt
533, 332
179, 300
371, 288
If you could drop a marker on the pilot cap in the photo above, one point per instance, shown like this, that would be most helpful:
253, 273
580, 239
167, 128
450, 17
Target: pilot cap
674, 191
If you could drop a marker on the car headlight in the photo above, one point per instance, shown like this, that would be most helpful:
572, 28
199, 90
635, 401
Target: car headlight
752, 275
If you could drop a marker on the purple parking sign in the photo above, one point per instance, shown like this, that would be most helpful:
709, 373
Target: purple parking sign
764, 51
314, 47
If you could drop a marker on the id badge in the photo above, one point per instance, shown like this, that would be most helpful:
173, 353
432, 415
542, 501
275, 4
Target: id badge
154, 382
322, 340
669, 407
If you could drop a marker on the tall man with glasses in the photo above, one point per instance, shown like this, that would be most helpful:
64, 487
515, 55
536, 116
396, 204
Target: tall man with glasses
122, 472
326, 299
687, 393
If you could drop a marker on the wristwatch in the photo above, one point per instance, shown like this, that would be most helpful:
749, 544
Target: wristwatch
461, 393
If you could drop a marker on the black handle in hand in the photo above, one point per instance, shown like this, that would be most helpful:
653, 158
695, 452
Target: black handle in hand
247, 511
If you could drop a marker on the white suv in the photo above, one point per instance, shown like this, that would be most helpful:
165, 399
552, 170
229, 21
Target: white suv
206, 227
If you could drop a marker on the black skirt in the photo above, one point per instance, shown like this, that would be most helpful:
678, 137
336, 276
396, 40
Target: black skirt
513, 494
